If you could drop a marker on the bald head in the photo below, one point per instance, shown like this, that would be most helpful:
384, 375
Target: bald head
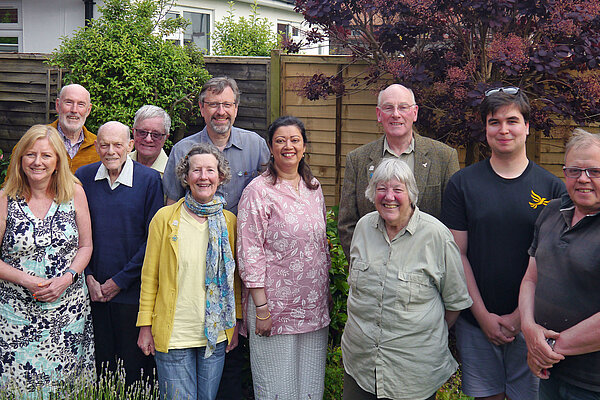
113, 145
397, 111
396, 90
73, 106
74, 89
115, 128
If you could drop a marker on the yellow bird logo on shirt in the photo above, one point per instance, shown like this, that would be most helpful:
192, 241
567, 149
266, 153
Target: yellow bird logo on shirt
537, 200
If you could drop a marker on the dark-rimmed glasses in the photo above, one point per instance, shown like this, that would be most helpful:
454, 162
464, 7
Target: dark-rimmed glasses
512, 90
142, 134
574, 172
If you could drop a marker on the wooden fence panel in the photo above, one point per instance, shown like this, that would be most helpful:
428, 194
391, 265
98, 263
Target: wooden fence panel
252, 75
335, 125
28, 88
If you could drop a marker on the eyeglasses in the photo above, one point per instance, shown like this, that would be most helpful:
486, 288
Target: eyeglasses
402, 108
142, 134
213, 105
574, 172
508, 90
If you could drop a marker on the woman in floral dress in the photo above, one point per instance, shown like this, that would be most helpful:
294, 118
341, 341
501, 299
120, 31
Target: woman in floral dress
283, 259
46, 336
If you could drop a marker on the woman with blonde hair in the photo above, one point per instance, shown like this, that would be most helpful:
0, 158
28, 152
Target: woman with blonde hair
46, 336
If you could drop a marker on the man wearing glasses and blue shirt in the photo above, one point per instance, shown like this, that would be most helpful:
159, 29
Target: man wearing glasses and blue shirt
151, 127
491, 208
247, 154
432, 162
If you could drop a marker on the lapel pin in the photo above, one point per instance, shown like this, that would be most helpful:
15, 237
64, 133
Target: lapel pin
424, 165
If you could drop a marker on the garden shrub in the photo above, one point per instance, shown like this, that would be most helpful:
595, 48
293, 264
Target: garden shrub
123, 61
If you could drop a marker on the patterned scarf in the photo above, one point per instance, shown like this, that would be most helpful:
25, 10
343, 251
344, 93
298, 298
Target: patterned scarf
220, 266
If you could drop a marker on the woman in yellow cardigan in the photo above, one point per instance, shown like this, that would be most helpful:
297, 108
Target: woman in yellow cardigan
187, 314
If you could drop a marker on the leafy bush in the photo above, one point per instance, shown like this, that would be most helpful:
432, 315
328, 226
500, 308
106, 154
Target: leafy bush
122, 60
4, 161
334, 374
251, 36
338, 284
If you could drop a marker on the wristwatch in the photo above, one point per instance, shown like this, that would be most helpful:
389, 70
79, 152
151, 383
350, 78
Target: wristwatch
74, 273
551, 342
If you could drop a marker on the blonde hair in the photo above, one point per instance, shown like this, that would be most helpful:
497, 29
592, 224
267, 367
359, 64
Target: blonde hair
62, 182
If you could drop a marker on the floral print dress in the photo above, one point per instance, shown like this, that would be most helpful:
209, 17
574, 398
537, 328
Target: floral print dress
42, 344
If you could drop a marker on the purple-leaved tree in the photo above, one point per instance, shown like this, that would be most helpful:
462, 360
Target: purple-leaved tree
451, 51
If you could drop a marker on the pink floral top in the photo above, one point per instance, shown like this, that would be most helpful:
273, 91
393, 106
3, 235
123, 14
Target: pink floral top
282, 246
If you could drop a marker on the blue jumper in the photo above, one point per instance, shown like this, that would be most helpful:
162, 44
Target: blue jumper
120, 220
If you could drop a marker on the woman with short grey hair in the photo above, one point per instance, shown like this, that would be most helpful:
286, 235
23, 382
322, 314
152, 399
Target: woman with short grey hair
188, 309
407, 287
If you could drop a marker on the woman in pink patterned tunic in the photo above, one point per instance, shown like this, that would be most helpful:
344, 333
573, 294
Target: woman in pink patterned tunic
283, 260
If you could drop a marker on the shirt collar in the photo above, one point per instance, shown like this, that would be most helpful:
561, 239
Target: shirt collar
411, 227
66, 139
234, 138
567, 207
125, 177
386, 147
159, 164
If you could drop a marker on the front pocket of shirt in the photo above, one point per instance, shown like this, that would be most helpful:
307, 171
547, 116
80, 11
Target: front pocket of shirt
357, 269
416, 291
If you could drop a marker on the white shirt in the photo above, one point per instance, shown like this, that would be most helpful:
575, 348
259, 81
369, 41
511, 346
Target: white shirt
125, 177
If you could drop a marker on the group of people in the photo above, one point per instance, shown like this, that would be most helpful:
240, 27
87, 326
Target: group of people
504, 219
240, 250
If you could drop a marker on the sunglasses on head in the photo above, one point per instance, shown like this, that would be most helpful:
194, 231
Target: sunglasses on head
512, 90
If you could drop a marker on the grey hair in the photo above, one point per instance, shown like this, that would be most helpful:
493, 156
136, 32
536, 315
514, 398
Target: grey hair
217, 85
380, 95
114, 124
149, 111
393, 168
581, 138
183, 166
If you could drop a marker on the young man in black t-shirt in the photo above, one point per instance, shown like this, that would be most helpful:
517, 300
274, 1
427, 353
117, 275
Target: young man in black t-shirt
491, 208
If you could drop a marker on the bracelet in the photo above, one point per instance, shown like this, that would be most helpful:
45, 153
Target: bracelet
265, 318
262, 305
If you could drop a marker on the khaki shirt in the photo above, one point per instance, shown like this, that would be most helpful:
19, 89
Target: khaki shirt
159, 164
395, 343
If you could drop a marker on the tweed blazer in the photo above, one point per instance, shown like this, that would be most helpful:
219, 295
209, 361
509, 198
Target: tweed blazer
435, 163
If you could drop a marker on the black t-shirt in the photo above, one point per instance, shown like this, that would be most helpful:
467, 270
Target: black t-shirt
568, 267
499, 215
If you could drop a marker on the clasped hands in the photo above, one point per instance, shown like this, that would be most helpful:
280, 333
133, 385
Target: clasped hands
540, 356
102, 292
48, 290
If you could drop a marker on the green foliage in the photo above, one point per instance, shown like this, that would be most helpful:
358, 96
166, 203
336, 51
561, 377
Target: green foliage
451, 389
338, 280
252, 36
334, 374
4, 161
110, 386
124, 63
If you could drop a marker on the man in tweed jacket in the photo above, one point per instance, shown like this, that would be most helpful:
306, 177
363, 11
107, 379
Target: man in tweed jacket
432, 162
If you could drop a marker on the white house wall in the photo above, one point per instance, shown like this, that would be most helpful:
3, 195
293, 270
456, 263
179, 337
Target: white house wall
46, 21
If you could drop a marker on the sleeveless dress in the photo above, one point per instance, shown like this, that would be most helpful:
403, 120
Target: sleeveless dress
43, 344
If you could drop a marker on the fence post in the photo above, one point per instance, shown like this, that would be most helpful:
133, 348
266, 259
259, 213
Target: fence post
275, 85
338, 141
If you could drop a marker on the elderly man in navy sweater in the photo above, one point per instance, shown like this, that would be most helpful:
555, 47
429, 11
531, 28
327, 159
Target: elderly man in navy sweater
123, 196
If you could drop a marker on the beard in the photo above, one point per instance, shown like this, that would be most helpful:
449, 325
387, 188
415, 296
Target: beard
221, 129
